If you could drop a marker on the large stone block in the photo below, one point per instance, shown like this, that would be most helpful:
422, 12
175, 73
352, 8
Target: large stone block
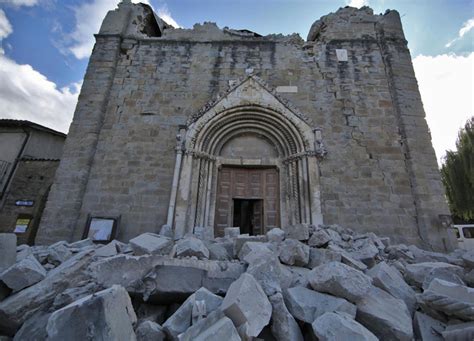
150, 243
306, 305
450, 298
215, 327
106, 315
416, 274
191, 247
17, 308
149, 331
340, 280
391, 280
427, 328
297, 231
340, 326
7, 250
293, 252
23, 274
385, 316
181, 320
283, 326
246, 303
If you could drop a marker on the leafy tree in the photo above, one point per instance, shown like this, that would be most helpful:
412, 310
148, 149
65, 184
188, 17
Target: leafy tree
457, 173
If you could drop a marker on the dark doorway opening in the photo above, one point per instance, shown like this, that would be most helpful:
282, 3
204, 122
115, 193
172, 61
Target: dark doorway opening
248, 215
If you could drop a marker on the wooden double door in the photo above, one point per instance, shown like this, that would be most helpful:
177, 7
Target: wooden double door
247, 198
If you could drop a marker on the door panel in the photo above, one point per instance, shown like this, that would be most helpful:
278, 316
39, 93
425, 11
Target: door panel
252, 184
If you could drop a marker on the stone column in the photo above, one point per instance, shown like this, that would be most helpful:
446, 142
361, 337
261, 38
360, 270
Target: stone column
174, 186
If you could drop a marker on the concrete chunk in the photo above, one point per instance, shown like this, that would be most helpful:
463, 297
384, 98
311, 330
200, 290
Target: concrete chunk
23, 274
283, 326
106, 315
191, 247
276, 235
450, 298
150, 243
415, 274
306, 305
297, 231
7, 250
246, 302
293, 252
150, 331
459, 332
427, 328
391, 280
385, 316
340, 280
340, 326
181, 320
17, 308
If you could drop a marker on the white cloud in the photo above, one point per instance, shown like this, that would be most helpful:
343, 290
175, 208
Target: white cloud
165, 14
19, 3
5, 26
466, 27
89, 16
5, 29
28, 95
446, 86
357, 3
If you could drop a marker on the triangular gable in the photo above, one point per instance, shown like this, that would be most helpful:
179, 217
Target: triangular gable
250, 91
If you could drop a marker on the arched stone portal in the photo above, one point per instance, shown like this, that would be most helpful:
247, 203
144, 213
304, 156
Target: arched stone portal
247, 146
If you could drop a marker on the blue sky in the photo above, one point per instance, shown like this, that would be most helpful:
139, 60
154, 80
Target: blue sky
45, 45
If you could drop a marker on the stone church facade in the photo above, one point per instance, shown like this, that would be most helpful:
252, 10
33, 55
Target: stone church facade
210, 127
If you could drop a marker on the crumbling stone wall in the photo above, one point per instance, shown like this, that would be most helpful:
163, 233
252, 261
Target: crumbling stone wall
380, 174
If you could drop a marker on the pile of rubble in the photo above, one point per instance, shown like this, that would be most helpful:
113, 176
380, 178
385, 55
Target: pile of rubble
309, 283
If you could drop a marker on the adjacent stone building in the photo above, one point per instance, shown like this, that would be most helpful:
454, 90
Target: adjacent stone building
29, 157
210, 127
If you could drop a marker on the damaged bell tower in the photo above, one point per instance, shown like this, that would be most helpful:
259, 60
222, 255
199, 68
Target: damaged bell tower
206, 128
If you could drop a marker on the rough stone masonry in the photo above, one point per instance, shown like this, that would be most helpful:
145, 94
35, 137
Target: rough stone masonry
237, 287
207, 128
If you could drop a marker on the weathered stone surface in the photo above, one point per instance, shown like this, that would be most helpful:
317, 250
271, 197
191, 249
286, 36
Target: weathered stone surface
427, 328
297, 231
293, 276
267, 271
459, 332
204, 232
385, 316
319, 238
415, 274
306, 305
276, 235
293, 252
423, 256
283, 325
149, 331
17, 308
23, 274
340, 280
340, 326
7, 250
364, 251
191, 247
173, 280
391, 280
106, 315
246, 302
252, 251
150, 243
109, 250
322, 256
34, 329
241, 239
218, 252
354, 263
22, 251
58, 253
79, 291
80, 244
468, 259
232, 232
445, 274
181, 320
215, 327
450, 298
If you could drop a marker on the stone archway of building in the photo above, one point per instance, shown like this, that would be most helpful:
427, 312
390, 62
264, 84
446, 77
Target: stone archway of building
247, 133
